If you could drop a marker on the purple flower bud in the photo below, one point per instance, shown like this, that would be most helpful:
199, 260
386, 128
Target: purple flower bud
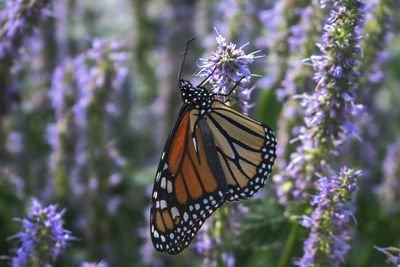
337, 73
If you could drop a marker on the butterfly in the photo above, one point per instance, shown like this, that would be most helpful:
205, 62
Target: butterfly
213, 154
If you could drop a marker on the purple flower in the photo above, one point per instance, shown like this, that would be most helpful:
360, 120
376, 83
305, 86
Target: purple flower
337, 72
328, 110
389, 190
147, 249
393, 259
228, 66
334, 206
271, 19
43, 236
300, 33
83, 93
15, 142
204, 240
228, 259
18, 20
102, 263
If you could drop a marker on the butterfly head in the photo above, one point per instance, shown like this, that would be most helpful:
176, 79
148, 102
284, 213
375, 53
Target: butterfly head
197, 97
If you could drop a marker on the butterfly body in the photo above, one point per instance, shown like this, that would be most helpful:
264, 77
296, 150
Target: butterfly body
213, 154
196, 97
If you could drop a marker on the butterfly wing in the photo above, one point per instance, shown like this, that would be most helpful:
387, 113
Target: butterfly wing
189, 185
246, 150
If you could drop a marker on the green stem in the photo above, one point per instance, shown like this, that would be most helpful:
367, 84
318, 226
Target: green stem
290, 243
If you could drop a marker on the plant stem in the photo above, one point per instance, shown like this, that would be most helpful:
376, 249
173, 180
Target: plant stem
287, 252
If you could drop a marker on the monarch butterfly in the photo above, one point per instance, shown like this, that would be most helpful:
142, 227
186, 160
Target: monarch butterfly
213, 154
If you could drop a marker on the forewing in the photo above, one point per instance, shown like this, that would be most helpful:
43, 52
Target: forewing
189, 186
246, 150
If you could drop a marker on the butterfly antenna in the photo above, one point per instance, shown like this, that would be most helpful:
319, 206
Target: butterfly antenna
183, 57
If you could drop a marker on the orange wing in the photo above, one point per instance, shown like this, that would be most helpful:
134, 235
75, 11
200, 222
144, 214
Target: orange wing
189, 186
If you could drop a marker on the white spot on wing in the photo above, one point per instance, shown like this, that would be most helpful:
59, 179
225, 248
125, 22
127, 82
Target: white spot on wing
163, 183
194, 143
174, 212
169, 187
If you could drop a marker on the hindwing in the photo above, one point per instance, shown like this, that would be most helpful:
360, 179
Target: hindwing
246, 150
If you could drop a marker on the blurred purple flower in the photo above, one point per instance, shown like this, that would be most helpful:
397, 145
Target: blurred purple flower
102, 263
78, 80
15, 142
147, 249
271, 19
18, 20
334, 205
393, 259
113, 204
299, 32
228, 259
389, 190
43, 236
76, 84
204, 241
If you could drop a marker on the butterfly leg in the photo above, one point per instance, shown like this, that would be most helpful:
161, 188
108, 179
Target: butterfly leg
233, 88
204, 81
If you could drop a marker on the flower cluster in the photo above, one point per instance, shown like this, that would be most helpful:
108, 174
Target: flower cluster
226, 67
42, 238
327, 243
81, 90
212, 236
326, 110
17, 21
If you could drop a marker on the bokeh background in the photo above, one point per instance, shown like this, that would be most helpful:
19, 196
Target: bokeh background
88, 94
